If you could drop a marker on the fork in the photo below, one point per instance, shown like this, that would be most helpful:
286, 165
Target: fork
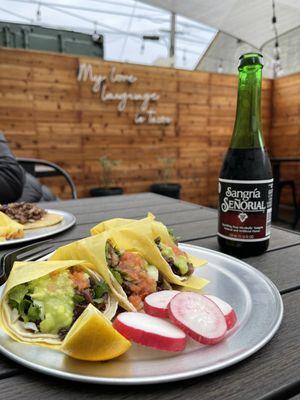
32, 252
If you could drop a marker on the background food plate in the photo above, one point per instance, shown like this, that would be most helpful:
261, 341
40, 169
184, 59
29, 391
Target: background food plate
40, 233
254, 297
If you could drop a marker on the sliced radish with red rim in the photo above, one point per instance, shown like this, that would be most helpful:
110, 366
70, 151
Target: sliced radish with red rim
150, 331
156, 304
198, 316
227, 310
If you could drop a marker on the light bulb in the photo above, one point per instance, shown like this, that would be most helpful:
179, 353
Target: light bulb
38, 14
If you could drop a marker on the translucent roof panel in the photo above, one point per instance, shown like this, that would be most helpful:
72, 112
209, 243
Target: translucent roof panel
223, 53
133, 32
249, 21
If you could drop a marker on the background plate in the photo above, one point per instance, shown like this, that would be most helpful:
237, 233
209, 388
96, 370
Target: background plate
254, 297
40, 233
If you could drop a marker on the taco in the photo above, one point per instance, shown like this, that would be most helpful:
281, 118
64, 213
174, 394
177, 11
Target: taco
30, 216
43, 300
10, 229
131, 264
181, 263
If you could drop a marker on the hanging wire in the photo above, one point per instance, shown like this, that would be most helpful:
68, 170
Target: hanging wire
187, 36
128, 30
152, 18
81, 17
111, 30
115, 3
16, 15
277, 61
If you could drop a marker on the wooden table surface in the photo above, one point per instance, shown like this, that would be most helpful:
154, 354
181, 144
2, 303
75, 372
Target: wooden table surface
271, 373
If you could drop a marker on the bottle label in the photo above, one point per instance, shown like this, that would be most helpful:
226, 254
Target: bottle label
245, 209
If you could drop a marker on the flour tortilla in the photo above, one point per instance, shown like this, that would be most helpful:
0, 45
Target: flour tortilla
145, 227
9, 229
47, 220
92, 249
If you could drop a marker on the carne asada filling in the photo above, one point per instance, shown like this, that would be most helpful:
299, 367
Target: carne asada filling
23, 212
176, 258
135, 275
51, 304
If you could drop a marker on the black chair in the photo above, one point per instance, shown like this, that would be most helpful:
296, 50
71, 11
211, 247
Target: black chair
31, 165
289, 184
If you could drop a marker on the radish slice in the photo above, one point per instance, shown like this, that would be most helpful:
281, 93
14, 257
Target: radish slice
198, 316
150, 331
156, 304
226, 309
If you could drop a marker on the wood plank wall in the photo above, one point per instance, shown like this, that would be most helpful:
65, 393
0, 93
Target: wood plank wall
46, 113
285, 137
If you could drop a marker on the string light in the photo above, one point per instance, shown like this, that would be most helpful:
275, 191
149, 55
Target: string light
277, 67
142, 50
39, 13
220, 66
95, 35
184, 57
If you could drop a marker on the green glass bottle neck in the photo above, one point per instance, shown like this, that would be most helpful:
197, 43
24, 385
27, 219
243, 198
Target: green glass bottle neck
247, 129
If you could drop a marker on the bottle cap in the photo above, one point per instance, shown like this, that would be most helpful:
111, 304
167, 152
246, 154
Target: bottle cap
250, 59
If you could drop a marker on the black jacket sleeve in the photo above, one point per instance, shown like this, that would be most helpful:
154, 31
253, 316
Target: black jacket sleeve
12, 176
33, 191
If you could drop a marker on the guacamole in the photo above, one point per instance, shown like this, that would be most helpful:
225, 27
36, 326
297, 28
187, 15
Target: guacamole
179, 260
52, 303
54, 295
48, 302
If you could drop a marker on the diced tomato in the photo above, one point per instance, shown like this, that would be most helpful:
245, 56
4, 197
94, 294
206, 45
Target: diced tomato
138, 280
136, 301
177, 250
52, 284
132, 260
80, 280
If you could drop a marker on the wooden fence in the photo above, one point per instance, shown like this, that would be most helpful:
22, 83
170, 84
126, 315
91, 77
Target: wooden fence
47, 113
285, 136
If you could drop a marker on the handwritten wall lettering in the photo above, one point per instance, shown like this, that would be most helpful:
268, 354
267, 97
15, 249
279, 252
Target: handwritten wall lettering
114, 77
99, 85
150, 117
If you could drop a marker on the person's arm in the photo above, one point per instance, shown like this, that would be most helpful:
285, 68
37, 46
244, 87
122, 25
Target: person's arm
12, 175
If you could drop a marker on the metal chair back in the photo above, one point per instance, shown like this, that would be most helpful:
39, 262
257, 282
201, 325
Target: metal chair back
31, 166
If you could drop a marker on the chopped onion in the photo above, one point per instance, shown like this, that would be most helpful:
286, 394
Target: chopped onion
31, 326
14, 315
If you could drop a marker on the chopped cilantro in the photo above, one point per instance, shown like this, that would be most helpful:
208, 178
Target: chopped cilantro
17, 293
34, 313
78, 298
117, 275
100, 289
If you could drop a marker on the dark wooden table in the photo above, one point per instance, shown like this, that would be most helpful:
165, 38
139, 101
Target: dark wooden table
271, 373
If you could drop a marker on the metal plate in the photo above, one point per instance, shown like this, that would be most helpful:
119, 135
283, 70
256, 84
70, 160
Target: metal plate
40, 233
254, 297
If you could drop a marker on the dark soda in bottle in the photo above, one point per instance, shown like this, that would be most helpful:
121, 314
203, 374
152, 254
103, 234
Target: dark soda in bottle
246, 183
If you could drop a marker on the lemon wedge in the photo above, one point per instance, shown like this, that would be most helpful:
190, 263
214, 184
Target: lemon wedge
93, 338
